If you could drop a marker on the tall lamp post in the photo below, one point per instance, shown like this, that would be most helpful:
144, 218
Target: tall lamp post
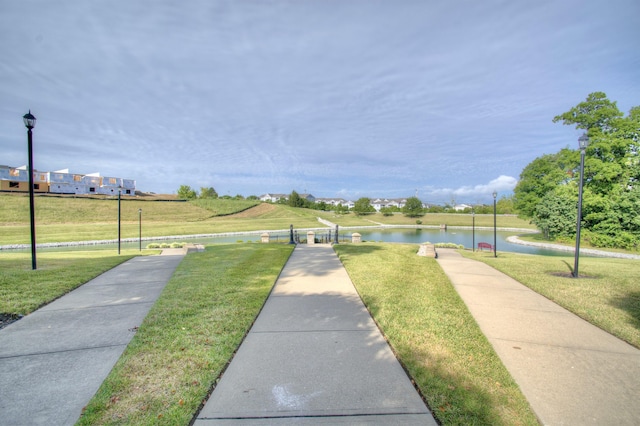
140, 229
473, 227
495, 239
119, 194
30, 123
583, 142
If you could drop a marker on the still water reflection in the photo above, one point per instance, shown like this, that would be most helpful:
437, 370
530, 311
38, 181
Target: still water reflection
416, 236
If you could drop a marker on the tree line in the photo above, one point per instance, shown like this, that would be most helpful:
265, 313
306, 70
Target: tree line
547, 192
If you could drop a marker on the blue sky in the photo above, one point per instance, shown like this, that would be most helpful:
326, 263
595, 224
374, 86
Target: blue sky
446, 99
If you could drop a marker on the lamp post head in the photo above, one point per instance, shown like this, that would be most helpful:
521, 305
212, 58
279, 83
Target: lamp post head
583, 141
29, 120
495, 194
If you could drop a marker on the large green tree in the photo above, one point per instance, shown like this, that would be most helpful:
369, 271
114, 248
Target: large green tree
295, 200
363, 206
413, 207
186, 193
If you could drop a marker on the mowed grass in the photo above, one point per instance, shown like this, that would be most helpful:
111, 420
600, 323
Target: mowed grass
607, 294
435, 336
188, 336
23, 290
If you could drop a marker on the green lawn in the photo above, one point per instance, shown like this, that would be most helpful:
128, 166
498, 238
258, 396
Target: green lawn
189, 336
434, 336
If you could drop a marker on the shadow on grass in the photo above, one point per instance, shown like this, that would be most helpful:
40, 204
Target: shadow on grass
630, 302
449, 395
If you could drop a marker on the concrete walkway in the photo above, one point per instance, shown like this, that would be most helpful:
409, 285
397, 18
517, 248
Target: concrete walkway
571, 372
314, 356
54, 360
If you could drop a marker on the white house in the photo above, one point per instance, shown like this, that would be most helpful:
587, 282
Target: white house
63, 182
273, 198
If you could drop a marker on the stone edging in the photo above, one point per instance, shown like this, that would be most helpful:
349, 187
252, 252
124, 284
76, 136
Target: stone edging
601, 253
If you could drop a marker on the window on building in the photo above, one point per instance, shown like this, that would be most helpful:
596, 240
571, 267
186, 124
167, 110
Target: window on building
14, 184
14, 172
36, 186
112, 181
92, 189
77, 178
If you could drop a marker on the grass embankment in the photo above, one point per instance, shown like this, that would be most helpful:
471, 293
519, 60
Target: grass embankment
84, 219
607, 294
435, 336
23, 290
188, 336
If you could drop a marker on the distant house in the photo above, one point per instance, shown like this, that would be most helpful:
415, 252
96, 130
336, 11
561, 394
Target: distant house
332, 201
310, 198
461, 207
63, 182
379, 203
336, 202
273, 198
16, 179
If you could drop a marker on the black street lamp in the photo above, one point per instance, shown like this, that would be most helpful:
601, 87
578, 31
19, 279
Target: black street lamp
495, 239
291, 235
473, 227
119, 193
30, 123
140, 229
583, 142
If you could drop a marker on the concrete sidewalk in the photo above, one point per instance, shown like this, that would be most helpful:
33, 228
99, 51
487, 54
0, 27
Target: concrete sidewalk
54, 360
571, 372
314, 356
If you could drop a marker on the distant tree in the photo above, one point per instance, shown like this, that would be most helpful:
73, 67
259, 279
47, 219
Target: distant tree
239, 197
340, 209
321, 205
186, 193
505, 205
363, 206
435, 209
295, 200
208, 192
386, 211
413, 207
253, 197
